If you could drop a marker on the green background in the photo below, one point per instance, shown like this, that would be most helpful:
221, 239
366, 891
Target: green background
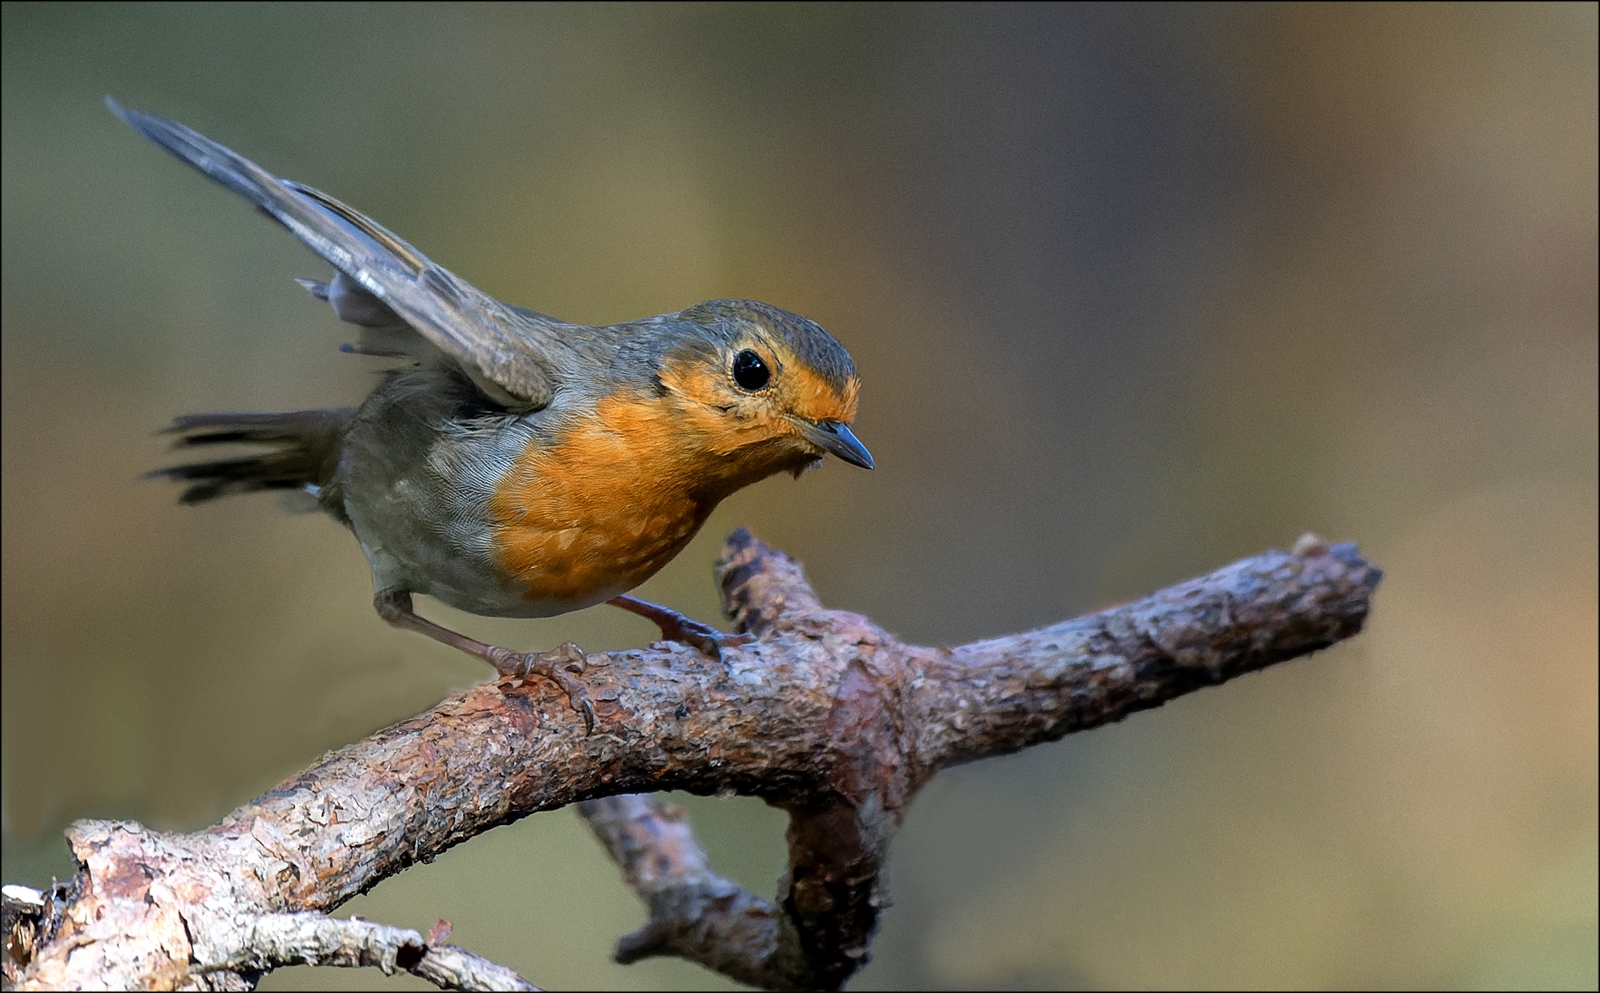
1135, 291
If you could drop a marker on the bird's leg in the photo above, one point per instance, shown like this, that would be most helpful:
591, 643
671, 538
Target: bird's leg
556, 665
676, 627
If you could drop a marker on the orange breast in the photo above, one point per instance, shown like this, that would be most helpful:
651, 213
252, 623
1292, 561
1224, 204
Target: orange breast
602, 509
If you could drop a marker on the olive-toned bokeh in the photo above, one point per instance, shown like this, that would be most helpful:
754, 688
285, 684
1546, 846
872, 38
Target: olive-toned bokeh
1135, 291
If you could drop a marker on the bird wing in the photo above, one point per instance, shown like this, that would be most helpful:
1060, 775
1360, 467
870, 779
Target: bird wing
514, 348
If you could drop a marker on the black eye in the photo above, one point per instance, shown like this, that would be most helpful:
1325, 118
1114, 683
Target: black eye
750, 372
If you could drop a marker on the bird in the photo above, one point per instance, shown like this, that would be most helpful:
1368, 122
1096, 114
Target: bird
511, 464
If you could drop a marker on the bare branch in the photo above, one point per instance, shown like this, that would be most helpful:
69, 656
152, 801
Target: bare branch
265, 942
826, 716
1009, 693
899, 713
694, 913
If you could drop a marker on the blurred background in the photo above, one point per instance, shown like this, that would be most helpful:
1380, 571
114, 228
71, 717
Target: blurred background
1134, 291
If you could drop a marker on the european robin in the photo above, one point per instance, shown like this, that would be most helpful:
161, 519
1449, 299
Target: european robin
514, 465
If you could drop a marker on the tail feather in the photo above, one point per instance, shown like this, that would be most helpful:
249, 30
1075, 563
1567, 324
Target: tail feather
304, 452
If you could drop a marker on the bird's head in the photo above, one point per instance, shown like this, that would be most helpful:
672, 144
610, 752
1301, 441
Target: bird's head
763, 390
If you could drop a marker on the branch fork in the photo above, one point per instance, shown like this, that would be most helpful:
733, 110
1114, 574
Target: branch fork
824, 715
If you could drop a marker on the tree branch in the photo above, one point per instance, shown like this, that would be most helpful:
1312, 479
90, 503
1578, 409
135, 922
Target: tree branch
825, 715
261, 943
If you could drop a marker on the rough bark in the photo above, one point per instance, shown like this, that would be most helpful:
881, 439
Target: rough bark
823, 715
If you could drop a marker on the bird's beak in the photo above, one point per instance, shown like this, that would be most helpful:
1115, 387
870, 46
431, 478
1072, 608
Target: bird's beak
835, 437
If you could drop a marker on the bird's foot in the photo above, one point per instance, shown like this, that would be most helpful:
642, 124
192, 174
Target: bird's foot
676, 627
707, 639
557, 665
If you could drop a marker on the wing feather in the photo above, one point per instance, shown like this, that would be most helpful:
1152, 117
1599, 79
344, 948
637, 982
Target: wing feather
517, 349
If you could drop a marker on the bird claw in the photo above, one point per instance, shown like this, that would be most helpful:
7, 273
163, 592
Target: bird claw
675, 627
558, 665
706, 639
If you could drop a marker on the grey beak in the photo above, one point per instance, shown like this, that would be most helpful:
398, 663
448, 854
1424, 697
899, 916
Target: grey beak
836, 437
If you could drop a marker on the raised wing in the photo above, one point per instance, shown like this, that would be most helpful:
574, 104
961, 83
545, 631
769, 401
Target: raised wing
513, 348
